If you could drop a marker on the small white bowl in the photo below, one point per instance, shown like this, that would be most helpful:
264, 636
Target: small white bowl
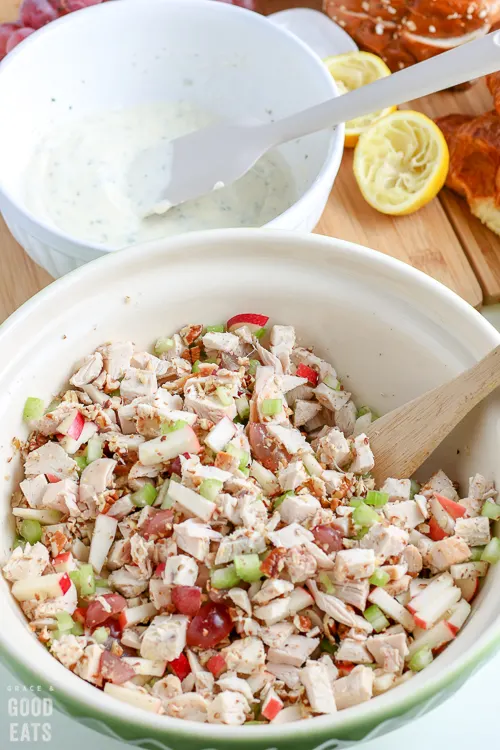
123, 54
391, 332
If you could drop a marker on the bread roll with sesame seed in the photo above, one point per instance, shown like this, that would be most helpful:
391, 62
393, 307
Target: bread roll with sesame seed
403, 32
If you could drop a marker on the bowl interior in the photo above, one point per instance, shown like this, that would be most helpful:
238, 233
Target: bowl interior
390, 331
231, 62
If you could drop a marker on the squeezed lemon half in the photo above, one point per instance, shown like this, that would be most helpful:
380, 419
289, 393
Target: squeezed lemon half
401, 162
351, 71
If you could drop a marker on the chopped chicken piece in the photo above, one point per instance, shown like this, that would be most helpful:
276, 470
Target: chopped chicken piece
231, 681
292, 535
180, 570
296, 650
228, 708
448, 552
405, 512
276, 611
292, 476
138, 384
298, 508
413, 559
276, 635
439, 483
314, 676
353, 564
282, 343
356, 688
62, 496
397, 489
190, 706
89, 665
27, 563
285, 673
354, 592
244, 656
300, 564
165, 638
241, 599
333, 449
377, 644
333, 606
304, 411
473, 531
50, 459
69, 649
128, 581
194, 538
89, 370
363, 456
271, 589
353, 651
117, 358
221, 342
330, 398
240, 542
292, 439
34, 489
385, 541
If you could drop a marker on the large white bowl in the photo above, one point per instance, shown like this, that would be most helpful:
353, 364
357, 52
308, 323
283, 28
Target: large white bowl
391, 332
122, 54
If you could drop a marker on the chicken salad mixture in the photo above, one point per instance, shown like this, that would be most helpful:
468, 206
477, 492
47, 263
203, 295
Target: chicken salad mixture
199, 535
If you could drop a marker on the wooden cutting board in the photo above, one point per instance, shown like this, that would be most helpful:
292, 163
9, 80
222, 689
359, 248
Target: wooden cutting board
442, 239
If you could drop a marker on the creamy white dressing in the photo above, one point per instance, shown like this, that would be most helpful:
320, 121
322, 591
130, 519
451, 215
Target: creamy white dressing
77, 179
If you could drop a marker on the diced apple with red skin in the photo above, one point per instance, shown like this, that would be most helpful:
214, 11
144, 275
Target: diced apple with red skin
166, 447
64, 562
216, 665
272, 705
52, 478
434, 638
102, 539
253, 321
469, 587
445, 522
220, 435
455, 510
458, 615
304, 371
41, 587
72, 426
436, 533
134, 615
180, 666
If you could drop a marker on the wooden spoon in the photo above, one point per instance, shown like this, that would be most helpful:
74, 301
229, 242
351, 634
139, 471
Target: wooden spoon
404, 438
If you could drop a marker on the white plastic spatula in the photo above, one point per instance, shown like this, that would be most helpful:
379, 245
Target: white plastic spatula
196, 164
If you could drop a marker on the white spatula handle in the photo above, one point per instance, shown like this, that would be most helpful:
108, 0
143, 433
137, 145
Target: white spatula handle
459, 65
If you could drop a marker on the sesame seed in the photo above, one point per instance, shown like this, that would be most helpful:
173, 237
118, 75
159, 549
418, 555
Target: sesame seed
432, 29
379, 29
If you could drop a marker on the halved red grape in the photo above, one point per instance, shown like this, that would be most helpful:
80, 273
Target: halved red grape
68, 6
37, 13
16, 37
328, 538
210, 626
186, 599
265, 448
96, 614
6, 30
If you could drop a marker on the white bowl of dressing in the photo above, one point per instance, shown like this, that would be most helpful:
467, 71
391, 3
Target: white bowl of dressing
85, 93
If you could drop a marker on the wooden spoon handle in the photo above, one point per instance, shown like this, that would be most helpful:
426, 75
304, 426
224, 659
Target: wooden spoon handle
404, 438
